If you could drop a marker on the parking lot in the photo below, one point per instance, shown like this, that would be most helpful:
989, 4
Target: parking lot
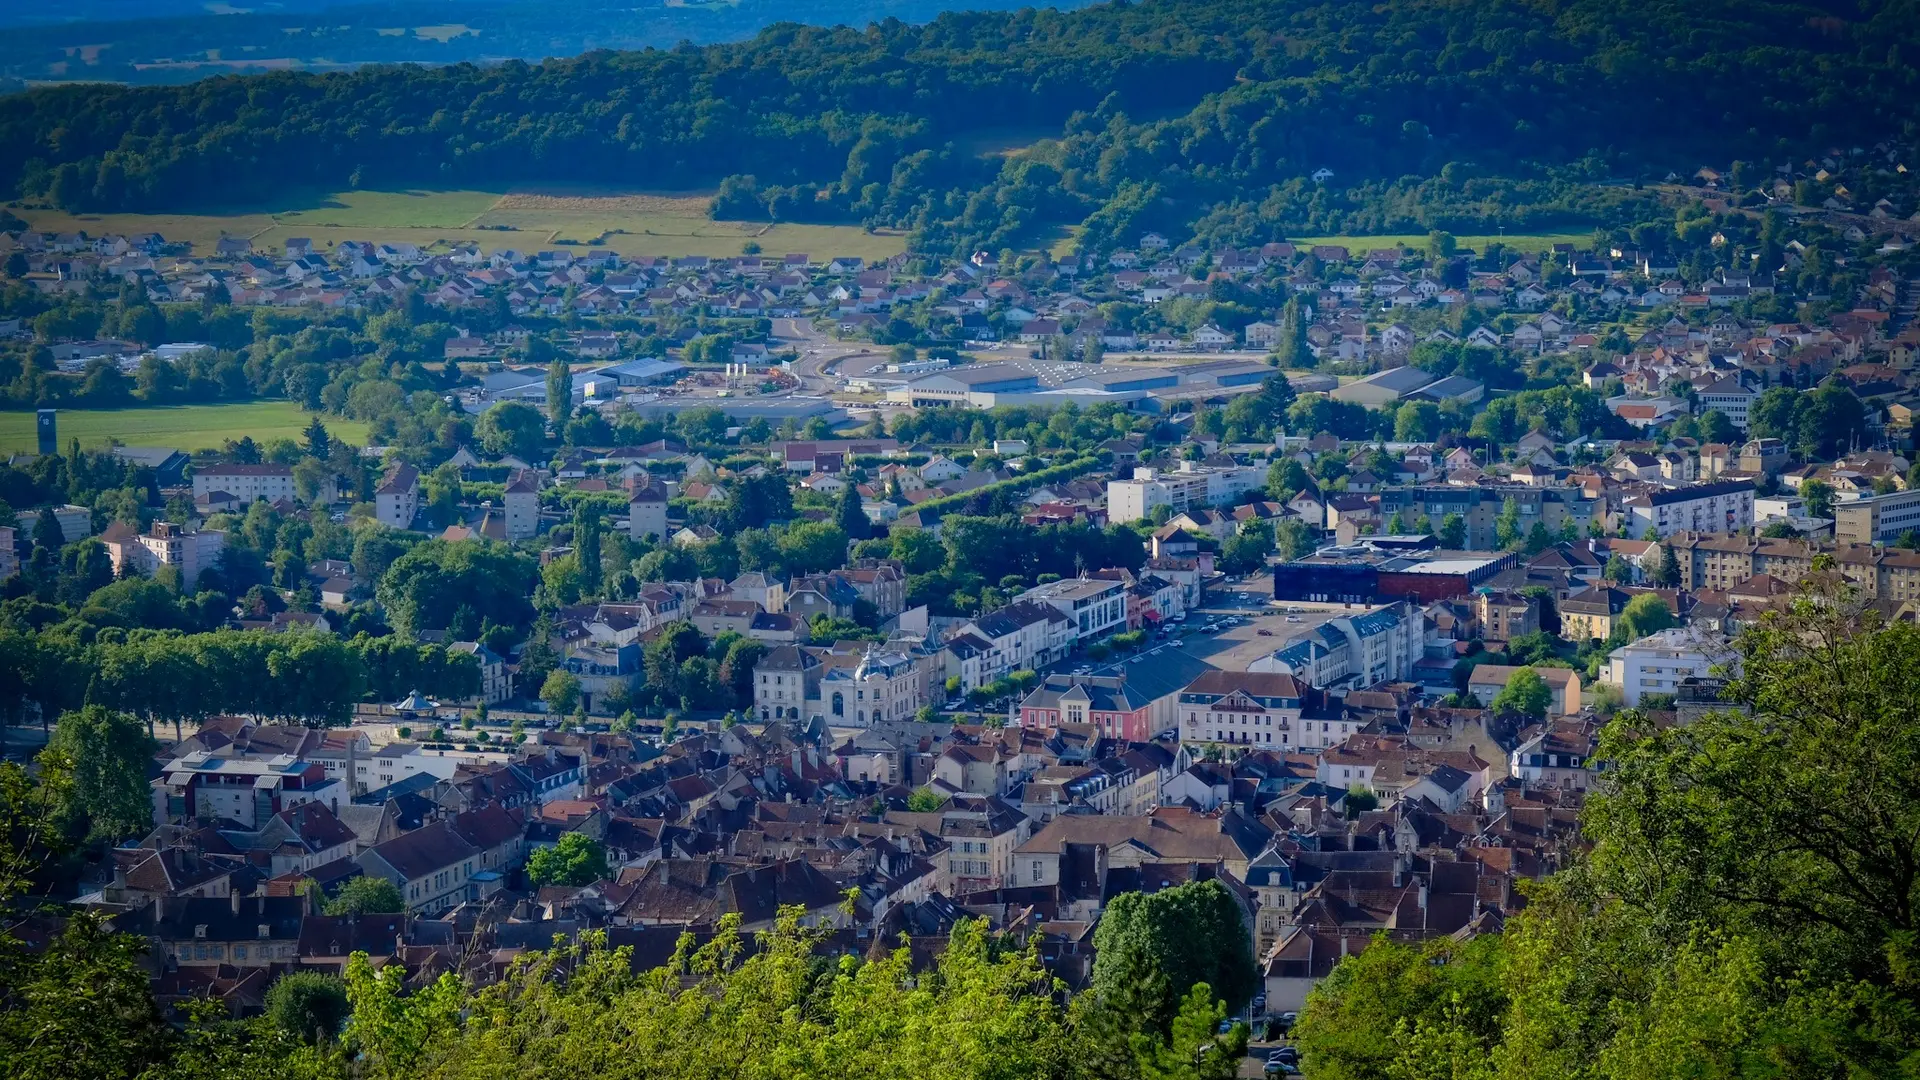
1247, 627
1237, 625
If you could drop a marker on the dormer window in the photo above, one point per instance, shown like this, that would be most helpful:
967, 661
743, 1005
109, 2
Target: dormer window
263, 931
200, 931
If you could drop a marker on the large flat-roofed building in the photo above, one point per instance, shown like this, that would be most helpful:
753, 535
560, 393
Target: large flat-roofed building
1189, 486
1364, 574
1383, 387
1095, 606
954, 385
1876, 519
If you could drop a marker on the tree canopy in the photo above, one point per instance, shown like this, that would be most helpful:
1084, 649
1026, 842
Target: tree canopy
1156, 114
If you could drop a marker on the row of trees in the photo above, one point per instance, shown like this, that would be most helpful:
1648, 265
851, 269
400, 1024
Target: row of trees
171, 677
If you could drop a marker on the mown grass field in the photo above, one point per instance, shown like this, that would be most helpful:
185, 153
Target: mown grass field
183, 427
630, 223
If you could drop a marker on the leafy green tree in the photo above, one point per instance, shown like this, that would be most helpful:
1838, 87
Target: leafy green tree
1293, 539
1819, 497
46, 531
1643, 615
559, 393
1715, 427
81, 1007
308, 1005
442, 491
576, 859
925, 800
561, 691
423, 588
512, 427
1617, 570
586, 546
1381, 1009
1453, 532
850, 514
319, 444
1286, 478
1525, 693
1152, 950
96, 764
367, 896
1289, 347
1506, 527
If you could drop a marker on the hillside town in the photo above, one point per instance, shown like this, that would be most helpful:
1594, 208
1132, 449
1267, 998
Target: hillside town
765, 607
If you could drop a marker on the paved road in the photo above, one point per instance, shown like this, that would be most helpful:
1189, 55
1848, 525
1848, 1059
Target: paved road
819, 354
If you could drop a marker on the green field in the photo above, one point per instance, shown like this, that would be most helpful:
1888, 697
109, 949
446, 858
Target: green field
183, 427
631, 223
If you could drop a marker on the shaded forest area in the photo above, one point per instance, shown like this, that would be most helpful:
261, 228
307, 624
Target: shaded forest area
155, 43
1451, 115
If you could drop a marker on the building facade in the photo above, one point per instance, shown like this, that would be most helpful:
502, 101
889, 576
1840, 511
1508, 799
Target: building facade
247, 483
397, 500
1722, 507
1245, 708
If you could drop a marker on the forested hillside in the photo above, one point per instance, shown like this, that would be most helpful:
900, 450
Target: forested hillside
1446, 114
153, 42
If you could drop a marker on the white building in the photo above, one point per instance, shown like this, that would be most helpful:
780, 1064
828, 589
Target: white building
1095, 606
1658, 663
887, 684
190, 551
247, 483
1730, 397
1023, 635
397, 501
1247, 708
1722, 507
1192, 485
647, 512
522, 504
1353, 652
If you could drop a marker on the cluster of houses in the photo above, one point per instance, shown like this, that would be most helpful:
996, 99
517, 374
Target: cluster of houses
583, 281
1329, 748
1034, 827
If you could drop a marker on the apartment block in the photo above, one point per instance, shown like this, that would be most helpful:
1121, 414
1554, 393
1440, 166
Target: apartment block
1192, 485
